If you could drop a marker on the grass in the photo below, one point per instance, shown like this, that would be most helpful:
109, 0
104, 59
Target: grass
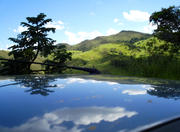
4, 54
128, 37
139, 59
122, 59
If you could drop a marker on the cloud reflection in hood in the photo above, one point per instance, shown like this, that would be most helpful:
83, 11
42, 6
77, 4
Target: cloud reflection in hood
52, 121
134, 92
138, 91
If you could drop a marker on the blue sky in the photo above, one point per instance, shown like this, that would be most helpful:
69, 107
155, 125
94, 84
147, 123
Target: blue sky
77, 20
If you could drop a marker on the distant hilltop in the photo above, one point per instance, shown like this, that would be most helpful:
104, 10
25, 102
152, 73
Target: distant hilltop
125, 36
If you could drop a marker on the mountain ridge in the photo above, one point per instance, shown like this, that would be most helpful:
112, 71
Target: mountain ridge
124, 36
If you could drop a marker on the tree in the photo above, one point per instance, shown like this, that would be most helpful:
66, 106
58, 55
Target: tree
168, 26
60, 56
33, 41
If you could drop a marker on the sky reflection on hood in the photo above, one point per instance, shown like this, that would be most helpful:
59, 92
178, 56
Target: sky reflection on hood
85, 103
78, 116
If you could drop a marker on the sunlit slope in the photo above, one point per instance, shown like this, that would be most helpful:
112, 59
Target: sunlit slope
102, 56
123, 59
128, 37
4, 54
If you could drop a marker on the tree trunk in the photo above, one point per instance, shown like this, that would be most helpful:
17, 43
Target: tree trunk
29, 64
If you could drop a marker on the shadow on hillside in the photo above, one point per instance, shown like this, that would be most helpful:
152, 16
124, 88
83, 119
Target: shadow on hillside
153, 66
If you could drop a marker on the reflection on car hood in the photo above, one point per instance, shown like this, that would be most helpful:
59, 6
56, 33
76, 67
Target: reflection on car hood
85, 103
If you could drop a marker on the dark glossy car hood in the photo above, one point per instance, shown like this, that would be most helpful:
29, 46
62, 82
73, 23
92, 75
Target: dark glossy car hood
85, 103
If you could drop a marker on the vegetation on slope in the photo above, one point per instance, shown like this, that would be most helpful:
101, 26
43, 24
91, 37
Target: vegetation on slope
4, 54
121, 59
153, 57
128, 52
31, 43
128, 37
144, 58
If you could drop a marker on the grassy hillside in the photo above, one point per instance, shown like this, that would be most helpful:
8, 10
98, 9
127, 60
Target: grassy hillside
121, 59
124, 57
128, 37
4, 54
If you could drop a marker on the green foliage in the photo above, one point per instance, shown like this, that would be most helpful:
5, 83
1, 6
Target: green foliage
13, 68
154, 46
128, 37
122, 59
59, 57
168, 26
32, 42
4, 54
10, 67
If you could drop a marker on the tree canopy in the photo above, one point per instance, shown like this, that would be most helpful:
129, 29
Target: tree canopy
33, 41
168, 25
60, 56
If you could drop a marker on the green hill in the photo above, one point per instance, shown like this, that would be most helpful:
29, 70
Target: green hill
128, 37
137, 60
4, 54
127, 53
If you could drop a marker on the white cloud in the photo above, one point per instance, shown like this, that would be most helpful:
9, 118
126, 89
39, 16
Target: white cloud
0, 46
112, 83
116, 20
136, 16
88, 115
61, 86
59, 25
134, 92
95, 81
76, 80
38, 125
90, 35
80, 80
52, 121
74, 38
149, 28
111, 31
140, 91
20, 29
147, 87
60, 22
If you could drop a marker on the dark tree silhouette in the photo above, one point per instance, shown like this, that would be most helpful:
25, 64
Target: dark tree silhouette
60, 56
170, 90
37, 84
32, 42
168, 26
